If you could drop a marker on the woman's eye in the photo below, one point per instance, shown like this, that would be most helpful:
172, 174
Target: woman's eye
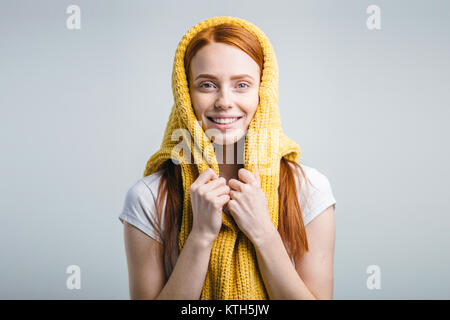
208, 85
205, 83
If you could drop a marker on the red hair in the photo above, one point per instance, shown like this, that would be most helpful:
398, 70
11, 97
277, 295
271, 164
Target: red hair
290, 226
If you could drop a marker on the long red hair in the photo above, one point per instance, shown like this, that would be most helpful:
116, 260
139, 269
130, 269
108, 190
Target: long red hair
170, 190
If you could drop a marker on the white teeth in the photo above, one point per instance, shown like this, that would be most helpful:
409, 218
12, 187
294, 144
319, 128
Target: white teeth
222, 120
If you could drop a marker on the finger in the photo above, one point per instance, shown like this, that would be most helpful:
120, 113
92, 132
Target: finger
234, 195
232, 206
205, 176
221, 190
223, 199
246, 176
235, 184
258, 178
213, 184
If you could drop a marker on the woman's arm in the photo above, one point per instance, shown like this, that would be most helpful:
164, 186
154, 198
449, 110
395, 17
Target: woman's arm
146, 267
312, 277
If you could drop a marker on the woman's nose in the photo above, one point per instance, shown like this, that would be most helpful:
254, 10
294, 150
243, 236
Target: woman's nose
224, 99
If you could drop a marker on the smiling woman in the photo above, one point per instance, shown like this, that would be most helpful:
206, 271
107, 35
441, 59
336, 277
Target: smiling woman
235, 230
232, 90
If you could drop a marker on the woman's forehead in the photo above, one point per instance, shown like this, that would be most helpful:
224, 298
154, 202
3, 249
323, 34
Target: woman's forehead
223, 61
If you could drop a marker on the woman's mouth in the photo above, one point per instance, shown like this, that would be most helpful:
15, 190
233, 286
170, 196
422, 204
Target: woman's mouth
224, 123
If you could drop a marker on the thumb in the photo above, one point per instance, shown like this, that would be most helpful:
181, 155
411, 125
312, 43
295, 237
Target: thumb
257, 175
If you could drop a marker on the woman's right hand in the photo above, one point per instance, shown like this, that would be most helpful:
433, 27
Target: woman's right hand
209, 194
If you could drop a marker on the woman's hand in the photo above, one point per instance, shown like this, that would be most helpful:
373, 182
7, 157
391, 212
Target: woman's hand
209, 194
248, 206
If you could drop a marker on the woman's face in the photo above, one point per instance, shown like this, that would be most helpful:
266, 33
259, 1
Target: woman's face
224, 84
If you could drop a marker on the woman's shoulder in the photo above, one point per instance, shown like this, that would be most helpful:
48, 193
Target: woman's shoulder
152, 180
317, 177
315, 191
312, 177
145, 186
139, 205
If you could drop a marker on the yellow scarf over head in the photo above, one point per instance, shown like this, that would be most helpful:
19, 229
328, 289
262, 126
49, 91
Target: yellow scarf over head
233, 272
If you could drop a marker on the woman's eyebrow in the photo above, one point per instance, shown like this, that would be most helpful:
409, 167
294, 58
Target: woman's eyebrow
238, 76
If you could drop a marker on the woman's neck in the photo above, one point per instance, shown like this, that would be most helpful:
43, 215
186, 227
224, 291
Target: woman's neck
230, 159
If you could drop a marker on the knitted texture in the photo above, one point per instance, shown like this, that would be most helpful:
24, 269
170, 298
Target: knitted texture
233, 272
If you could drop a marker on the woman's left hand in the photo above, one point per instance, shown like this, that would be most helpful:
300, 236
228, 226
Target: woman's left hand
248, 206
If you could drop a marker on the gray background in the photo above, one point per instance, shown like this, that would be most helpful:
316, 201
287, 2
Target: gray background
83, 110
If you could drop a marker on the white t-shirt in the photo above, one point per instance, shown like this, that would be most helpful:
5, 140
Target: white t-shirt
139, 206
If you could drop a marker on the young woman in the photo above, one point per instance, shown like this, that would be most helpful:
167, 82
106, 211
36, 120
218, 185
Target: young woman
232, 229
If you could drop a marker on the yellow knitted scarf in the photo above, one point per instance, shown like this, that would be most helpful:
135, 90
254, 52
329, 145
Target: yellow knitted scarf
233, 271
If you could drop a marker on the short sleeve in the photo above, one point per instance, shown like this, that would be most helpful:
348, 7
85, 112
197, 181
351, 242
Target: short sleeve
139, 208
316, 195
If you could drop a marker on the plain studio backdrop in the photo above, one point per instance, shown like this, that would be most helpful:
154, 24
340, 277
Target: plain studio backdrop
82, 110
